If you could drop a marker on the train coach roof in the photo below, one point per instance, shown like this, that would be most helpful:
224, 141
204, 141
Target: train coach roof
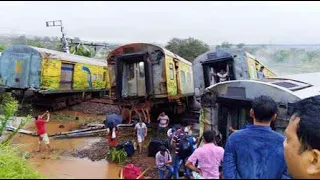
278, 87
52, 54
164, 50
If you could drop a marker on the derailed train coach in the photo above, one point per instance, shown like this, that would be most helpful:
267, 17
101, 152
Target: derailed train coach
52, 78
227, 104
145, 76
239, 63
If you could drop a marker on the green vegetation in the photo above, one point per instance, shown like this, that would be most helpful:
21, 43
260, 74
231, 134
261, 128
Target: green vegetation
225, 44
118, 156
54, 43
13, 166
9, 108
82, 50
189, 48
286, 60
1, 48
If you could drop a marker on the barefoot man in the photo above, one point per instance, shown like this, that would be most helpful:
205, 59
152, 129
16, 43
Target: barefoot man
41, 130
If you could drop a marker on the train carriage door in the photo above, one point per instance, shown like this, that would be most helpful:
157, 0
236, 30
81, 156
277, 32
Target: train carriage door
171, 77
134, 78
141, 79
66, 76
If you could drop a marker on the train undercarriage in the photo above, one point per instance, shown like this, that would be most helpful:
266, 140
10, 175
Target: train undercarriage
56, 100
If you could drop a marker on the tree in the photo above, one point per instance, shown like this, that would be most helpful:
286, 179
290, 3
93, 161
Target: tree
189, 48
226, 44
82, 50
1, 48
240, 45
35, 43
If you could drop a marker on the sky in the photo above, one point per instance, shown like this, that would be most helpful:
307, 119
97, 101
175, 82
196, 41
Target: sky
157, 22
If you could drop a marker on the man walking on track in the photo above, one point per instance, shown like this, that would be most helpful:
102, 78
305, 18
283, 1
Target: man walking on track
41, 130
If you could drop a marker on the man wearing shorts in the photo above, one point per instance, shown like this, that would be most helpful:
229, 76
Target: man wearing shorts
41, 130
141, 131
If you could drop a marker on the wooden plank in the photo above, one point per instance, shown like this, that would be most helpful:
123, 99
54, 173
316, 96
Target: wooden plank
79, 130
95, 125
125, 125
82, 134
22, 131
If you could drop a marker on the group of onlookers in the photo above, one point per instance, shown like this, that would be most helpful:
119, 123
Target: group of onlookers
255, 151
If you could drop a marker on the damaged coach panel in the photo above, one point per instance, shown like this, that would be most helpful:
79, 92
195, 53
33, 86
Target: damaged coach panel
240, 64
226, 105
149, 70
52, 75
143, 72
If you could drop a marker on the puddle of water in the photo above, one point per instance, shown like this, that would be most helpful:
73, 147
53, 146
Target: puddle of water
53, 165
76, 168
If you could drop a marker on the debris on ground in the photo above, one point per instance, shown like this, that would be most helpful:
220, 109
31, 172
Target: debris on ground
22, 131
96, 108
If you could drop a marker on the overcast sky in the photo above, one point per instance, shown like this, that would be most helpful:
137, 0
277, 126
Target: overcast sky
211, 22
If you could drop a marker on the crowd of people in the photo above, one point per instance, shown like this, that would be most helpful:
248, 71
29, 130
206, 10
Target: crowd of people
254, 152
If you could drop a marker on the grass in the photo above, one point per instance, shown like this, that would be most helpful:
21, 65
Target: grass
13, 166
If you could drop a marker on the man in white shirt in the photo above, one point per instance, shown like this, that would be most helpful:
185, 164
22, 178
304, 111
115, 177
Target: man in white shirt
163, 124
141, 131
163, 162
260, 73
223, 75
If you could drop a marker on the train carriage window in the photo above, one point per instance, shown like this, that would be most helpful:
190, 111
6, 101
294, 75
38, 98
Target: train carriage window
188, 77
94, 77
141, 69
171, 71
99, 77
183, 78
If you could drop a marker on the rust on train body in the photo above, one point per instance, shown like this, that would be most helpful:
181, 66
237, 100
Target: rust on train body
145, 75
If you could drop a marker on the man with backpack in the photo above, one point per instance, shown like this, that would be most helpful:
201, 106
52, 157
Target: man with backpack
183, 149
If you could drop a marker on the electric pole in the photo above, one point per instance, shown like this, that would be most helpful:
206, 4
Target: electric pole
63, 39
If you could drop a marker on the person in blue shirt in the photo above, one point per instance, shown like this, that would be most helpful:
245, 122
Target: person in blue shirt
256, 152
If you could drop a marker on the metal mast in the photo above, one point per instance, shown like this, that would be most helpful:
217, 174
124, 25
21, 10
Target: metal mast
63, 39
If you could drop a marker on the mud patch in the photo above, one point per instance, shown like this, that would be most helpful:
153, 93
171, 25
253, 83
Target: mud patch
96, 152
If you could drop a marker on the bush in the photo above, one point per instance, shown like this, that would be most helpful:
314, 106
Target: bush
119, 156
13, 166
9, 108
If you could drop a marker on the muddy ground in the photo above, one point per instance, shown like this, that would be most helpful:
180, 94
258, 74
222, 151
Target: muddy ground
98, 151
94, 149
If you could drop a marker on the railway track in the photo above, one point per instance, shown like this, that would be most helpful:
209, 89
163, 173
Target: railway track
55, 103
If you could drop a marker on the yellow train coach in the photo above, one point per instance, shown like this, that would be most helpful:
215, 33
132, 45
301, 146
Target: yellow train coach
52, 78
145, 75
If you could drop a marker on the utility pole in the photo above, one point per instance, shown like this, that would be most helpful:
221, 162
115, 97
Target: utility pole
63, 39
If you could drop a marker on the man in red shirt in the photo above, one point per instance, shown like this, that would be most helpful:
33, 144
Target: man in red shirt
41, 130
